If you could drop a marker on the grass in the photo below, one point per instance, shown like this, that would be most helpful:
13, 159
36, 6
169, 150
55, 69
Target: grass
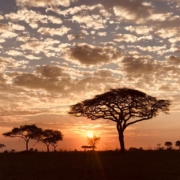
140, 165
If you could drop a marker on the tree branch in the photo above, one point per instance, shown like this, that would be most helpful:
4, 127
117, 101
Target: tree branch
147, 118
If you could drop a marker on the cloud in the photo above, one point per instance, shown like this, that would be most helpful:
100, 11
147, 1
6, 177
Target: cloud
11, 63
14, 53
31, 57
126, 38
34, 46
132, 10
40, 30
6, 32
50, 71
54, 31
160, 17
2, 79
32, 18
94, 22
84, 32
47, 46
92, 55
139, 29
103, 73
1, 17
134, 65
155, 49
2, 40
102, 33
168, 32
9, 35
4, 28
172, 49
49, 78
54, 20
165, 87
17, 27
174, 40
43, 3
75, 37
72, 10
174, 60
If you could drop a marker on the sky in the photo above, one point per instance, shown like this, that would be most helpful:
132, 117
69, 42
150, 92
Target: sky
56, 53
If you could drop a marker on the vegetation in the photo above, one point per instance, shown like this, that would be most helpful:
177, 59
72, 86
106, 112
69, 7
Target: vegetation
2, 145
168, 144
123, 106
86, 147
26, 132
92, 141
50, 137
178, 144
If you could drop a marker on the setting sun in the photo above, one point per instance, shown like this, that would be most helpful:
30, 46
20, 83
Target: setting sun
90, 134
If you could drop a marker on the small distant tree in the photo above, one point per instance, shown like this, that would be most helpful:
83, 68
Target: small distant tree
87, 147
50, 137
92, 141
2, 145
13, 150
26, 132
168, 144
178, 144
159, 147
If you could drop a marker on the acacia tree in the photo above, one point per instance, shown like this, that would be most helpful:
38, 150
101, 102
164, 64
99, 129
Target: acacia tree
2, 145
92, 141
26, 132
124, 106
50, 137
168, 144
178, 144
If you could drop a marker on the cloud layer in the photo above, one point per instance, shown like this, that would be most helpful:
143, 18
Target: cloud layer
57, 53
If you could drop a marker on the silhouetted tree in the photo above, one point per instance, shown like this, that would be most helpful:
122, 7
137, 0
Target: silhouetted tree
26, 132
87, 147
123, 106
168, 144
159, 147
178, 144
50, 137
54, 145
92, 141
2, 145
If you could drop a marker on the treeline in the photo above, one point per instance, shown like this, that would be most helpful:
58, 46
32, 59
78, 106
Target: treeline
49, 137
169, 145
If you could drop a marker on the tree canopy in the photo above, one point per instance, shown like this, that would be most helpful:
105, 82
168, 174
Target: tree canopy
124, 106
178, 144
50, 137
168, 144
26, 132
92, 141
2, 145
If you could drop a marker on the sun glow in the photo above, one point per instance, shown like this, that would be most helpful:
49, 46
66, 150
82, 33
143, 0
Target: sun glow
90, 134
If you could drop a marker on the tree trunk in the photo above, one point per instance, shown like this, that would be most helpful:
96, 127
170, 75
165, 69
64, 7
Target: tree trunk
47, 148
121, 137
27, 149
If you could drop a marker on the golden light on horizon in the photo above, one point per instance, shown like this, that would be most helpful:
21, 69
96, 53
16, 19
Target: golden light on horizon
90, 134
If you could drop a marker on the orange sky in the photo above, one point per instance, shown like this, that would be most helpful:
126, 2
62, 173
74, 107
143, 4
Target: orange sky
146, 134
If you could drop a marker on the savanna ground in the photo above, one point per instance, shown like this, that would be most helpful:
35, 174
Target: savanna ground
140, 165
